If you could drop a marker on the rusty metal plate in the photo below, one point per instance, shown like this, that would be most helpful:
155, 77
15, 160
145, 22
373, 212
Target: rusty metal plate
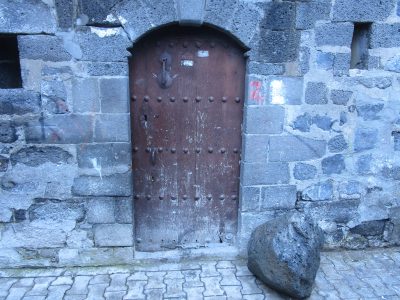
187, 90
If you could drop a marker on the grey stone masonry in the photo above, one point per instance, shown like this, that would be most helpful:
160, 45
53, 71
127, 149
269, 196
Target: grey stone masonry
264, 120
362, 10
316, 93
18, 102
113, 185
385, 35
43, 47
114, 95
265, 173
334, 34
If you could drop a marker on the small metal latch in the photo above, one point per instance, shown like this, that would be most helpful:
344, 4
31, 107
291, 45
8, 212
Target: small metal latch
165, 78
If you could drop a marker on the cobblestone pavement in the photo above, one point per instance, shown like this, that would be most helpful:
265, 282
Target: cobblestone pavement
373, 274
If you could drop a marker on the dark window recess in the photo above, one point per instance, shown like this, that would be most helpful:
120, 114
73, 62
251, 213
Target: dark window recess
360, 46
10, 70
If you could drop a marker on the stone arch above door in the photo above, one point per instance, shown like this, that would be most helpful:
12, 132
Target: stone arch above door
238, 18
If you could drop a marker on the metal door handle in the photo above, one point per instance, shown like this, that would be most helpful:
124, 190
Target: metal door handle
153, 156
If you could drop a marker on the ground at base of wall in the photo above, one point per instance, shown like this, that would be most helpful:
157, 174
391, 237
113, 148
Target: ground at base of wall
372, 274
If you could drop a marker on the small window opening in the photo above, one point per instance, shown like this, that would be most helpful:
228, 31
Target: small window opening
10, 70
360, 46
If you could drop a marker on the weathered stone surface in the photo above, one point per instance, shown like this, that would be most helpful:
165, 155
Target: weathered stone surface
220, 13
333, 165
265, 173
365, 138
316, 93
250, 196
295, 148
60, 129
34, 16
245, 22
85, 94
255, 147
19, 102
341, 64
56, 210
337, 144
393, 64
106, 235
98, 10
54, 97
340, 212
396, 141
43, 47
114, 95
103, 44
375, 82
319, 192
133, 17
34, 156
323, 122
261, 68
112, 128
385, 35
364, 164
350, 190
7, 132
279, 46
278, 15
113, 185
65, 13
103, 155
309, 12
107, 69
369, 111
391, 172
334, 34
303, 171
3, 163
362, 11
124, 210
304, 60
340, 97
285, 90
278, 197
101, 210
284, 253
369, 228
264, 120
325, 60
191, 12
303, 122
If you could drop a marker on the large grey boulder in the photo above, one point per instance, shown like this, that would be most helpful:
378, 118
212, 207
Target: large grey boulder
284, 253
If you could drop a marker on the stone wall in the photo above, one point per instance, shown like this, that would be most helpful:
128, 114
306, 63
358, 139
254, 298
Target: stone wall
318, 136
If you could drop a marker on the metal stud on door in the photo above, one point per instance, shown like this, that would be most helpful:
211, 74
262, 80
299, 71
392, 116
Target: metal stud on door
187, 86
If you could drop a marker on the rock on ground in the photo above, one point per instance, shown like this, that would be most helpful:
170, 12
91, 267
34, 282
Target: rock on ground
284, 253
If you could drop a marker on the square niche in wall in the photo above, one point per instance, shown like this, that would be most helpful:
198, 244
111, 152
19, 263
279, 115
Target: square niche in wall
10, 70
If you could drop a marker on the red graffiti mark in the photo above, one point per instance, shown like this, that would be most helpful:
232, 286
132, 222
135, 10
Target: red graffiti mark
255, 91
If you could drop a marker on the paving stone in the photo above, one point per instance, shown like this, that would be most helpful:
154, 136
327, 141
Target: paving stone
80, 285
192, 279
115, 295
212, 286
57, 292
225, 264
155, 294
242, 270
208, 269
118, 283
228, 277
194, 292
174, 275
17, 293
75, 297
135, 290
233, 292
96, 291
100, 279
155, 280
24, 282
64, 280
249, 285
137, 276
174, 288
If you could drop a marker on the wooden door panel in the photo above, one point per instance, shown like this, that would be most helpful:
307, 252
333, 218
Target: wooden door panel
186, 138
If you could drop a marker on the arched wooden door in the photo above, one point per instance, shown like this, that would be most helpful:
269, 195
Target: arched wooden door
187, 91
